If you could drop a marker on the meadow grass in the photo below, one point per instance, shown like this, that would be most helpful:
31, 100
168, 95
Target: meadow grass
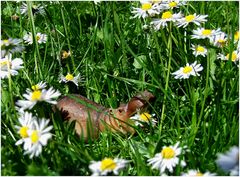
117, 58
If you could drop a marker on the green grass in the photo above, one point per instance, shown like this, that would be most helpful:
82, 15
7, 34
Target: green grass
117, 59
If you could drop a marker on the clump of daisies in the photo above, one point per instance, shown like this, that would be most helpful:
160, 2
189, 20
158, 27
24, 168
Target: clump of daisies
37, 94
34, 133
106, 166
40, 38
167, 159
188, 70
10, 66
229, 161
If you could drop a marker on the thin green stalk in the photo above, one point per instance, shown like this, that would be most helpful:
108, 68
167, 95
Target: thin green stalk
169, 46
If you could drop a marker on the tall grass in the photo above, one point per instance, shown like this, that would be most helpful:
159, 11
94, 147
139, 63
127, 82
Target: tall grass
117, 59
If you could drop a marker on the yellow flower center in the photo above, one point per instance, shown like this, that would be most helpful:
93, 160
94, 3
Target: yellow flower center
234, 56
146, 6
108, 164
189, 18
145, 117
221, 41
36, 95
34, 136
35, 87
187, 69
199, 174
4, 63
236, 36
69, 77
200, 49
23, 132
5, 41
168, 153
167, 15
38, 37
172, 4
206, 32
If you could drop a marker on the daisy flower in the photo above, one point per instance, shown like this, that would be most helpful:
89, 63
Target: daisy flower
38, 137
147, 9
41, 38
235, 55
41, 85
11, 45
197, 173
188, 70
26, 123
143, 118
202, 33
199, 50
70, 78
32, 97
165, 18
219, 40
65, 54
9, 66
192, 18
229, 161
167, 159
106, 166
170, 4
36, 9
236, 36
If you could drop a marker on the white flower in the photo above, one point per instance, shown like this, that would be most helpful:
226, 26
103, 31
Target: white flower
165, 18
41, 85
229, 161
143, 118
188, 70
32, 97
36, 9
9, 66
70, 78
170, 4
106, 166
199, 50
147, 9
38, 137
192, 18
41, 38
167, 158
202, 33
235, 55
197, 173
26, 123
11, 45
219, 40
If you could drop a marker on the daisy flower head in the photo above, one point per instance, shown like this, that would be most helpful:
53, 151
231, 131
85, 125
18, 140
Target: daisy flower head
171, 4
65, 54
41, 85
219, 40
192, 18
26, 123
202, 33
199, 50
32, 97
70, 78
145, 117
188, 70
38, 137
229, 161
167, 159
41, 38
166, 17
107, 165
36, 9
234, 56
147, 9
11, 45
197, 173
9, 66
236, 36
